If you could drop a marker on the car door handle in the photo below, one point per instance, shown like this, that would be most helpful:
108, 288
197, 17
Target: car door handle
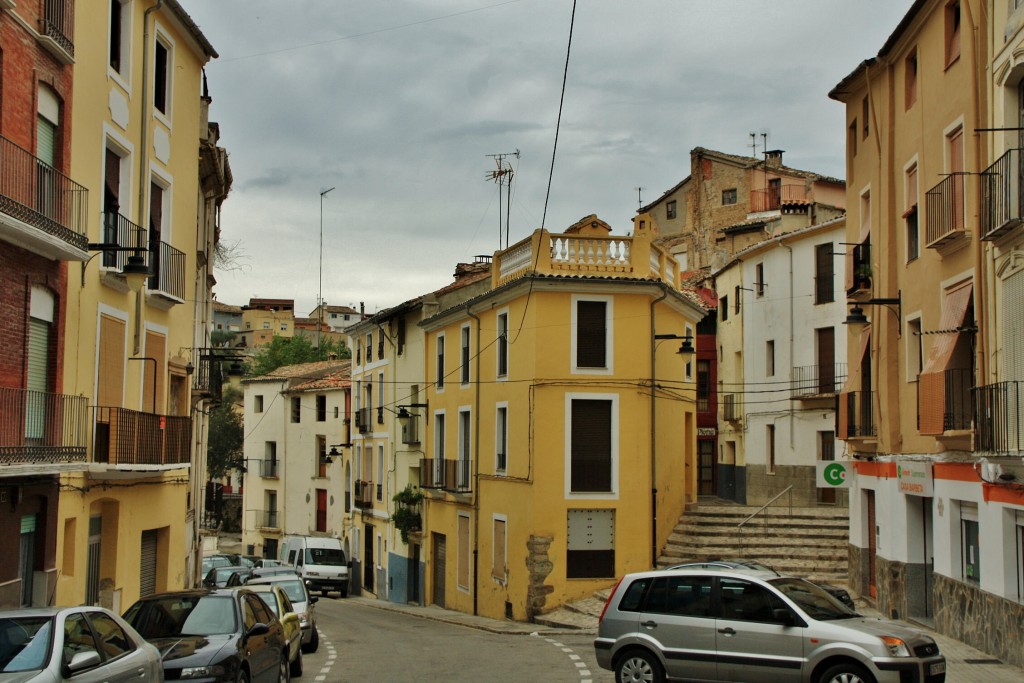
728, 631
649, 624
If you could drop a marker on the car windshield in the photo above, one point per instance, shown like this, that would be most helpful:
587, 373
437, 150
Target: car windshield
812, 599
331, 556
293, 589
268, 597
24, 643
190, 615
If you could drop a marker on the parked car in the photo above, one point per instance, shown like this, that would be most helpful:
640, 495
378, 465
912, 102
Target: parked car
303, 603
319, 560
211, 561
227, 635
267, 562
83, 644
218, 576
278, 602
718, 625
243, 577
840, 594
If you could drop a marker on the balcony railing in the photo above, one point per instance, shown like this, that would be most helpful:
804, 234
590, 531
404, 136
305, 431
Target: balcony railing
58, 23
126, 235
1001, 195
773, 199
129, 437
214, 365
39, 427
997, 417
816, 381
268, 468
957, 405
363, 420
944, 204
860, 420
450, 475
364, 494
169, 271
41, 196
267, 519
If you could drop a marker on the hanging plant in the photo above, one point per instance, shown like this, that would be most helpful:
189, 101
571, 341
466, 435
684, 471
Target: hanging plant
406, 517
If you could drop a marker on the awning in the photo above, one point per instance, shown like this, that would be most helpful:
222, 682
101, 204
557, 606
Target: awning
932, 383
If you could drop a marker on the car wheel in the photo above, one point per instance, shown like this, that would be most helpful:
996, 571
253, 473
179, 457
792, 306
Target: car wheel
846, 673
343, 593
295, 668
284, 671
243, 677
314, 641
639, 666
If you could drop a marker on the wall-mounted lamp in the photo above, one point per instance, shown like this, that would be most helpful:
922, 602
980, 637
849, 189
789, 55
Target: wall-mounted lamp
856, 315
686, 348
135, 270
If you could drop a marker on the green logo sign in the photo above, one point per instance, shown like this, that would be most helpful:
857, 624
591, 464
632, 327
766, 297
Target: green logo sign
834, 474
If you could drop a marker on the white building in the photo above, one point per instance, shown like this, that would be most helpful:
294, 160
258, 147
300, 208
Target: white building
293, 419
782, 361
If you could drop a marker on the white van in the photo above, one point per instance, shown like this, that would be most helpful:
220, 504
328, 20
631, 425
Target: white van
319, 560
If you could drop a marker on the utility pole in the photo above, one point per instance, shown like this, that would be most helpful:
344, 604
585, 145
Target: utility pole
499, 175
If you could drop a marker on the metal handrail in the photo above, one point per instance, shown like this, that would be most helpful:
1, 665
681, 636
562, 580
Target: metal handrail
739, 527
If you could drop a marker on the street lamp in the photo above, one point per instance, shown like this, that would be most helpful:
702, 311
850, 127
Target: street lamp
856, 316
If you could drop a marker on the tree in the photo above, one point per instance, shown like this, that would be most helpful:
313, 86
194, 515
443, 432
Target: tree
227, 436
283, 351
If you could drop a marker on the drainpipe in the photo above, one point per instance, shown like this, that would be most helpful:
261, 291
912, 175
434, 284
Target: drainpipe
654, 479
476, 464
791, 412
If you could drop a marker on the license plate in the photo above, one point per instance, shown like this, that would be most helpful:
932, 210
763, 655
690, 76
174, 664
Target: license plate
936, 668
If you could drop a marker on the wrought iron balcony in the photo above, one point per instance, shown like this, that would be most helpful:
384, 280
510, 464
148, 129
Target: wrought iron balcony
997, 417
731, 411
130, 437
168, 270
450, 475
57, 25
38, 427
267, 519
818, 381
120, 231
364, 494
363, 420
774, 199
215, 366
46, 207
860, 420
944, 218
1001, 195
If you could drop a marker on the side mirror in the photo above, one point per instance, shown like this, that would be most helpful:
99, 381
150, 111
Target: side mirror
83, 660
313, 599
258, 630
783, 616
290, 617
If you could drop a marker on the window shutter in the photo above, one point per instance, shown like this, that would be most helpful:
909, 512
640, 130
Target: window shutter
147, 564
591, 450
590, 334
46, 133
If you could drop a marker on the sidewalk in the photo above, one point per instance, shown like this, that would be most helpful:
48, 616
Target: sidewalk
963, 662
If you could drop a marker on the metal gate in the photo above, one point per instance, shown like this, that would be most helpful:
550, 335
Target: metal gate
147, 563
92, 575
439, 568
368, 567
26, 564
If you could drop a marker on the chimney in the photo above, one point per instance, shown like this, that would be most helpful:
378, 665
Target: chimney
773, 158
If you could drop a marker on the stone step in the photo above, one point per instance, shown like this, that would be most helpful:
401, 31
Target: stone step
726, 551
684, 535
592, 606
565, 617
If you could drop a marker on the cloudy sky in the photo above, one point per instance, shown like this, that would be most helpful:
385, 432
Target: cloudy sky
398, 105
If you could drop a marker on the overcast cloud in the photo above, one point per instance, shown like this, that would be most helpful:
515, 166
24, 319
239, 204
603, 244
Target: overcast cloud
397, 104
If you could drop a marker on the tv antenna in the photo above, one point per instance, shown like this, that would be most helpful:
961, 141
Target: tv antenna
502, 175
639, 201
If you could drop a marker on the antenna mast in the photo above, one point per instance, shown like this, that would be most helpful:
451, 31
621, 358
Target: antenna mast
502, 175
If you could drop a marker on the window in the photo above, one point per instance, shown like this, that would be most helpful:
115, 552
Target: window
502, 344
955, 144
399, 335
118, 36
729, 196
769, 358
824, 274
440, 362
703, 386
910, 80
851, 139
369, 347
865, 115
439, 438
257, 403
380, 343
915, 350
161, 76
464, 552
591, 331
590, 544
297, 409
759, 280
591, 447
501, 438
670, 209
970, 548
380, 472
465, 354
770, 448
321, 455
266, 325
114, 642
680, 596
321, 509
745, 601
462, 472
736, 300
321, 408
269, 459
499, 549
910, 215
723, 306
380, 398
952, 32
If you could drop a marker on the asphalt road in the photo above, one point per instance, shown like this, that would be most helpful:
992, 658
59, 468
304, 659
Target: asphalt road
364, 643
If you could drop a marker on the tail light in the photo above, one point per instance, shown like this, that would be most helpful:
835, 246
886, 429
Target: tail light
609, 600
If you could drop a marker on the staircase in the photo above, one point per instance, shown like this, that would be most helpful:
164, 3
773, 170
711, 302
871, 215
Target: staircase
807, 542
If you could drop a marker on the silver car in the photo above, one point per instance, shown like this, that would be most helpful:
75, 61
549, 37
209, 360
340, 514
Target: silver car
302, 602
83, 644
700, 625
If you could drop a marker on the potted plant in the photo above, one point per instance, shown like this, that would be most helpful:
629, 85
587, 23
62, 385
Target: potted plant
406, 517
863, 272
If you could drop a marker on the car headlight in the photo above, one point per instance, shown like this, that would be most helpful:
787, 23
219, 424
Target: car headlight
309, 573
896, 647
201, 672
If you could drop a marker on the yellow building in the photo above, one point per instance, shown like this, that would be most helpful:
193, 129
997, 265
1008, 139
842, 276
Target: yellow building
264, 319
139, 306
557, 403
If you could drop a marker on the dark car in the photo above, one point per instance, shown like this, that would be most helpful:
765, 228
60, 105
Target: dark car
840, 594
227, 635
218, 576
